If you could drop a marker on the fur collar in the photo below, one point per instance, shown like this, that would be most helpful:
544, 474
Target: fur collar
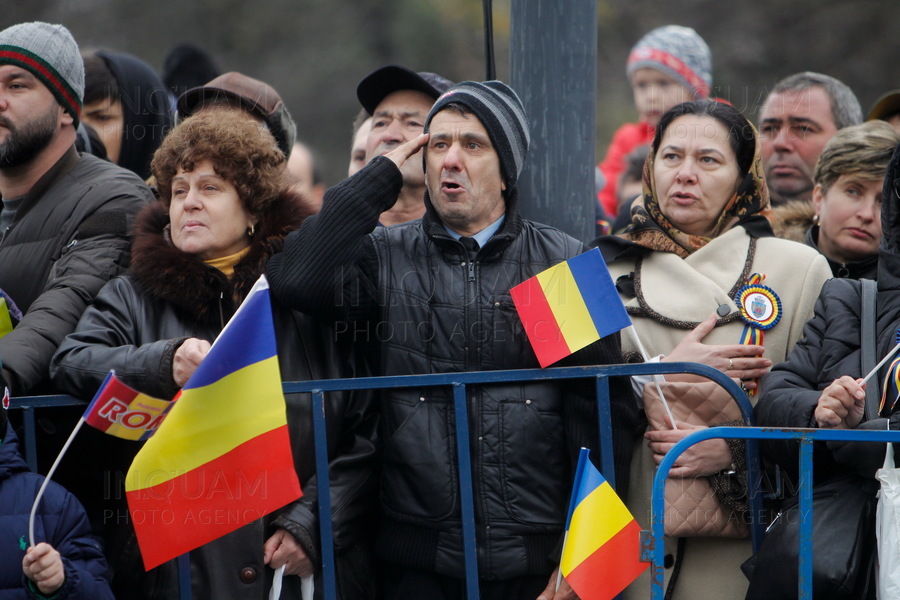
793, 220
165, 273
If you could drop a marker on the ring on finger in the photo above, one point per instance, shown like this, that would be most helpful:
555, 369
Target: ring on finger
730, 364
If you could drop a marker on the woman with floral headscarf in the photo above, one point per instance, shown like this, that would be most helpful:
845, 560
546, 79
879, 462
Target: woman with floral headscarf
705, 281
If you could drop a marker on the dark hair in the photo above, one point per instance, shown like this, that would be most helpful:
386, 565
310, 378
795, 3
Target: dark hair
634, 164
99, 81
187, 66
741, 134
243, 152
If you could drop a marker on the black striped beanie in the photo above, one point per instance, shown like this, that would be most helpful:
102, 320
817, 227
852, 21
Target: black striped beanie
501, 112
51, 54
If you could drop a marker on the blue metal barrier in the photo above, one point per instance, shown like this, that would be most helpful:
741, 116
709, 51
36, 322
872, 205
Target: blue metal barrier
458, 383
754, 434
28, 404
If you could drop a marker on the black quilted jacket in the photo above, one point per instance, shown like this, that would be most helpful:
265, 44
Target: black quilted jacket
830, 349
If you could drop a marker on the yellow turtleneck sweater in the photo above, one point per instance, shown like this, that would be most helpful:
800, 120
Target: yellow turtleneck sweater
226, 263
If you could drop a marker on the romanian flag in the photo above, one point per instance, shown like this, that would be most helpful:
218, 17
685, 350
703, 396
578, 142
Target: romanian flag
569, 306
222, 457
122, 411
601, 555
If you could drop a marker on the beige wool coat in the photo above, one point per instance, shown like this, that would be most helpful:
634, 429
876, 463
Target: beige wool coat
671, 290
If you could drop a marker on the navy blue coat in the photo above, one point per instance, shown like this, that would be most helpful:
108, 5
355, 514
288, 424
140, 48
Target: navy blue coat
60, 521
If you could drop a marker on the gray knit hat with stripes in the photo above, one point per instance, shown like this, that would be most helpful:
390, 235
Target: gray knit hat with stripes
500, 111
51, 54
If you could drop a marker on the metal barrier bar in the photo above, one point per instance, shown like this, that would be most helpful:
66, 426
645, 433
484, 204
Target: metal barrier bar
804, 591
27, 404
604, 430
466, 488
323, 489
806, 438
458, 382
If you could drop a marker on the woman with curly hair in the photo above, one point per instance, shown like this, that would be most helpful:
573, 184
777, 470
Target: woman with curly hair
224, 210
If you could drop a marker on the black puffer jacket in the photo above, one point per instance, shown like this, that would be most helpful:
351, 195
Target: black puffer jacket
866, 268
830, 349
70, 236
413, 289
135, 326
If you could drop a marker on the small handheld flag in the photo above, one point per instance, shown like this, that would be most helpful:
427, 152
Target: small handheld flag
568, 306
117, 410
891, 388
122, 411
222, 458
601, 553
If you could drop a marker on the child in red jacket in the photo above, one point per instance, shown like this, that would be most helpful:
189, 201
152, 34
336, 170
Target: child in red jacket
668, 66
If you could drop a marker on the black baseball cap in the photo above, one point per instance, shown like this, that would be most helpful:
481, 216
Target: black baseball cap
378, 84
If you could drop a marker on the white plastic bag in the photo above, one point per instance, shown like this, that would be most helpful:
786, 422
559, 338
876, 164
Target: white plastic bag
887, 528
307, 586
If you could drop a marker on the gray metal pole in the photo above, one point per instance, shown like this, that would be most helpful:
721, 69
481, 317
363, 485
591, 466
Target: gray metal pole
553, 58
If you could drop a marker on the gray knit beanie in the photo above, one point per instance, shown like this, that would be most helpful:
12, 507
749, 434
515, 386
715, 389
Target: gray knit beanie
50, 53
677, 51
501, 112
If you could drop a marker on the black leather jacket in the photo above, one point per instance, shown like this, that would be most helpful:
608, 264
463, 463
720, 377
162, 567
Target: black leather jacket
433, 309
135, 326
70, 236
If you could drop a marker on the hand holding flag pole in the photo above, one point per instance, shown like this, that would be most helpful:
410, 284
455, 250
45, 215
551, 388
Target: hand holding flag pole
880, 364
117, 410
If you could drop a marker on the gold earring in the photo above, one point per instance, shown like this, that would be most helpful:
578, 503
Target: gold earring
252, 230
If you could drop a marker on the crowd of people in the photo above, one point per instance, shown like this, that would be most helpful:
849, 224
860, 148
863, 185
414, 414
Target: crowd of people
139, 209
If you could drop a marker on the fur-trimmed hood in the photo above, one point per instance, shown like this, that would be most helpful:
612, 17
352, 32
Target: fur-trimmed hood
793, 220
164, 272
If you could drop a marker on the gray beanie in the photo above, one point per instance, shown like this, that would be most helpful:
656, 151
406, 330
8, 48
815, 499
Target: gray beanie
50, 53
677, 51
501, 112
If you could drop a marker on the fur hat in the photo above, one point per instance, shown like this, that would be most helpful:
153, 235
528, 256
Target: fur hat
501, 112
252, 95
677, 51
51, 54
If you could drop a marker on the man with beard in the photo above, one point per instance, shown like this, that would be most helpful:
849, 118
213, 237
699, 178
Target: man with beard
64, 216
